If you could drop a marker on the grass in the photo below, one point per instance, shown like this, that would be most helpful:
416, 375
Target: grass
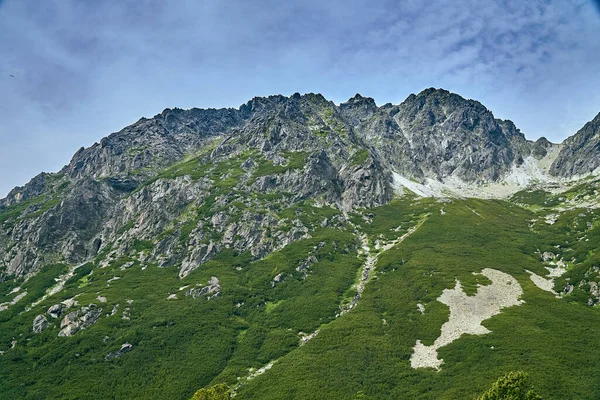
294, 160
39, 205
185, 344
360, 355
539, 198
359, 157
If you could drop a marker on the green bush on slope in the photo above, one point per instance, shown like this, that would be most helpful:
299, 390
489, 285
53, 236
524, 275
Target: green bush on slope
217, 392
512, 386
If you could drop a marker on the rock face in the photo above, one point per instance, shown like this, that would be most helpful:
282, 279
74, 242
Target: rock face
233, 167
55, 310
581, 152
83, 318
211, 290
438, 134
40, 323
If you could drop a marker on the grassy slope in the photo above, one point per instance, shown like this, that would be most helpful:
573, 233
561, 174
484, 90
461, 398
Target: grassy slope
179, 345
361, 355
182, 345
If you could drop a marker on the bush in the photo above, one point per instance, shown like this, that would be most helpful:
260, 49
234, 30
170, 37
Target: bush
512, 386
217, 392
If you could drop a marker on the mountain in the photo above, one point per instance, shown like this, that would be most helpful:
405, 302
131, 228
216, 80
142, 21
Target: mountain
294, 237
579, 155
344, 156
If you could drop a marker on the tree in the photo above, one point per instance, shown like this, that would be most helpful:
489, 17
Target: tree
217, 392
512, 386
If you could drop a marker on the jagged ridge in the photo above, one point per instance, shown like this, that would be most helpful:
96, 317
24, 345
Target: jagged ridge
173, 179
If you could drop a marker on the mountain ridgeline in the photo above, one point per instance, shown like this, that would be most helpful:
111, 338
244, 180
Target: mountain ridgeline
295, 248
299, 147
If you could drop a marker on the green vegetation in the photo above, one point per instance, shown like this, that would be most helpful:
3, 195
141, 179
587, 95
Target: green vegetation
367, 352
193, 167
186, 347
30, 208
359, 157
512, 386
320, 133
187, 343
293, 161
132, 151
217, 392
539, 198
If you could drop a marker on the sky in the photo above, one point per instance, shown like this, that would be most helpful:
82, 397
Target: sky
74, 71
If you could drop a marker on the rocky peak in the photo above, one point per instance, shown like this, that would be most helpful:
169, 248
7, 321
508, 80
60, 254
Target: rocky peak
143, 180
581, 152
358, 109
34, 187
437, 134
151, 144
436, 107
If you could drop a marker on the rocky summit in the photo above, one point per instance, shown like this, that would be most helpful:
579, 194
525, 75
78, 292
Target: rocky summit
294, 244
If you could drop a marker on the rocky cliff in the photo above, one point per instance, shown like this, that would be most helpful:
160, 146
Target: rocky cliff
581, 152
181, 187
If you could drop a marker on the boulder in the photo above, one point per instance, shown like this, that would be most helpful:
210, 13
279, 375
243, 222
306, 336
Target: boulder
40, 323
56, 310
212, 289
125, 347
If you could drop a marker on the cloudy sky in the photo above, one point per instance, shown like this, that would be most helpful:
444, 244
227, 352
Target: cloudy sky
73, 71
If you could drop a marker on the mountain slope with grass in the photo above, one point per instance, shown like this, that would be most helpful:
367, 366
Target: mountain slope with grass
295, 248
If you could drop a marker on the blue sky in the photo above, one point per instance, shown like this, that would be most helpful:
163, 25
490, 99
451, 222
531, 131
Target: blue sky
82, 69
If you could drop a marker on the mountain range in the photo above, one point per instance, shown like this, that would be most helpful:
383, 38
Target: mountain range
293, 244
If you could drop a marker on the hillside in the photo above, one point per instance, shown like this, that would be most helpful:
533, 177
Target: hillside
294, 246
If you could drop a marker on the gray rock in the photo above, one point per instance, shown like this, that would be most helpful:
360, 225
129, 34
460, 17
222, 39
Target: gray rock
127, 186
40, 323
581, 152
211, 290
83, 318
125, 347
56, 310
277, 279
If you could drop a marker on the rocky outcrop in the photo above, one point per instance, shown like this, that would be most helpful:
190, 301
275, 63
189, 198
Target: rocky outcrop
211, 290
125, 347
83, 318
55, 310
580, 154
151, 144
40, 323
148, 182
437, 134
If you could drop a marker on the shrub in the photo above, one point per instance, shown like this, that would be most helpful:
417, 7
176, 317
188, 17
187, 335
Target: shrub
217, 392
512, 386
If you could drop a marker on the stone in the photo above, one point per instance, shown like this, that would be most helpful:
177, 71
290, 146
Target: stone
55, 310
125, 347
40, 323
211, 290
83, 318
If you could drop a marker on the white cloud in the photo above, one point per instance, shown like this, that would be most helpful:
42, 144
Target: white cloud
84, 69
